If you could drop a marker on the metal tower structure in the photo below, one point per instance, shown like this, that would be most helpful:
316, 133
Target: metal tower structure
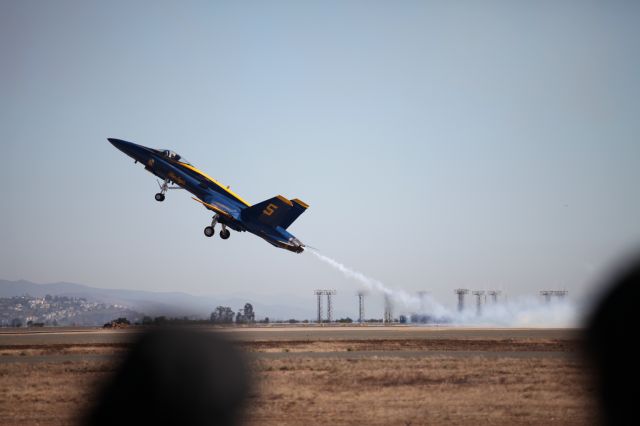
361, 307
494, 295
549, 293
318, 293
328, 293
479, 299
461, 292
388, 310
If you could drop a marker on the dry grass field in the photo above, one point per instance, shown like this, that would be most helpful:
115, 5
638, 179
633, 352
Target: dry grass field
440, 390
446, 381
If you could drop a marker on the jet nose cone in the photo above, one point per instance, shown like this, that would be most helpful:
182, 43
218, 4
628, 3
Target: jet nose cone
134, 151
124, 146
118, 143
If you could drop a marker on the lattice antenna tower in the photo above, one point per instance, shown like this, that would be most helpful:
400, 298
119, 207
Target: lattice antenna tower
479, 299
494, 295
461, 293
328, 293
561, 294
388, 310
319, 294
361, 307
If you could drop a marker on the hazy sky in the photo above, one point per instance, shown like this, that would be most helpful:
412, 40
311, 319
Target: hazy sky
439, 144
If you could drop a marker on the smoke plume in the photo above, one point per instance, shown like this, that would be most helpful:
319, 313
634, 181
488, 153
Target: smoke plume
515, 312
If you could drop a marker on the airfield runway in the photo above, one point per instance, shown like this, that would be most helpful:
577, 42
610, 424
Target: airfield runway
81, 344
78, 336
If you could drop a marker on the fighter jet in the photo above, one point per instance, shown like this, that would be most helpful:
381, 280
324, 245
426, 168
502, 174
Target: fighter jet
268, 220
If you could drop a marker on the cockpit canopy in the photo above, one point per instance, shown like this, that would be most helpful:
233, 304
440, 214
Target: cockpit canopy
174, 156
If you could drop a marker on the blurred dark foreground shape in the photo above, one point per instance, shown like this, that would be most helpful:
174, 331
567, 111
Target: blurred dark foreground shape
175, 377
613, 347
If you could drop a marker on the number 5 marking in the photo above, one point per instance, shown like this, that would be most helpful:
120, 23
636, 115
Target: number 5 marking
271, 208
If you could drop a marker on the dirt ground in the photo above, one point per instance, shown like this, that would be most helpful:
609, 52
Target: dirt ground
434, 384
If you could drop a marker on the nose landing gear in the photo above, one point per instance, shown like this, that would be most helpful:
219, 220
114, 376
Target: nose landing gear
164, 187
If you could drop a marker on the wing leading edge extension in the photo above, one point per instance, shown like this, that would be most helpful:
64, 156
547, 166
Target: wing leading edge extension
217, 204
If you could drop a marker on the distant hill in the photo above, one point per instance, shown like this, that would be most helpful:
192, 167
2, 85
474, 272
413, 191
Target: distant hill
144, 301
150, 303
60, 310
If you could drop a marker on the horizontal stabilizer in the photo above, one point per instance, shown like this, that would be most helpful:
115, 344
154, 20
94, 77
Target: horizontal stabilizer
276, 211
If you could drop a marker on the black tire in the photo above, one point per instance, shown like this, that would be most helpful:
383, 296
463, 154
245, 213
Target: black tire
225, 234
159, 197
209, 231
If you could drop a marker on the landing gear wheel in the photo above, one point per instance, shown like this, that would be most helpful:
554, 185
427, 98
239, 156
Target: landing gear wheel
224, 234
159, 196
208, 231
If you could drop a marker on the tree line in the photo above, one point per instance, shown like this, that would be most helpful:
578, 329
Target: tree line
226, 315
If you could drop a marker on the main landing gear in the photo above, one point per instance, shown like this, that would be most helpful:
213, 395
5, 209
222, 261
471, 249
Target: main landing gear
225, 233
209, 231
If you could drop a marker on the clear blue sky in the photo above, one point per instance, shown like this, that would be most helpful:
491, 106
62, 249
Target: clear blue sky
439, 144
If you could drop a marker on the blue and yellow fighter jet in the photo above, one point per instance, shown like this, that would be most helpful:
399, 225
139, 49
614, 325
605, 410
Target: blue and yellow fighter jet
268, 220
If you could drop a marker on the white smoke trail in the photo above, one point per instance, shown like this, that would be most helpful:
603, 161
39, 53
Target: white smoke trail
404, 299
517, 312
527, 311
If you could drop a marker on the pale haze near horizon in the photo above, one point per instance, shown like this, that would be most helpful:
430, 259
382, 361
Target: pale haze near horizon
439, 145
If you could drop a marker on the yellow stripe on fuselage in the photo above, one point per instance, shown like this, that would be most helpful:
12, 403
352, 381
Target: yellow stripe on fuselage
204, 175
